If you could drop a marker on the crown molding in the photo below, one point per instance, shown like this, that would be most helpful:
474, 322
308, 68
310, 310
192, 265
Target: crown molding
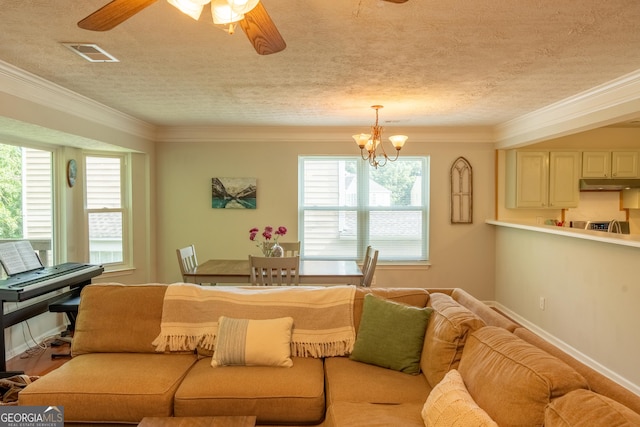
22, 84
315, 134
609, 103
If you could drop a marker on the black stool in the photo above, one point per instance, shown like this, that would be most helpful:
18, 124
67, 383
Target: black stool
69, 306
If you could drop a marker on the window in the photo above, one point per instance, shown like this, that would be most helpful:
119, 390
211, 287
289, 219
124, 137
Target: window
26, 199
106, 209
346, 205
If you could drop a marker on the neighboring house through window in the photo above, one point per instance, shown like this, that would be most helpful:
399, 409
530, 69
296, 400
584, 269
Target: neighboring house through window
107, 210
345, 204
26, 198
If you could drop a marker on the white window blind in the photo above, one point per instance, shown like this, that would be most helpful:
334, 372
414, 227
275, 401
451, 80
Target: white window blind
105, 209
346, 205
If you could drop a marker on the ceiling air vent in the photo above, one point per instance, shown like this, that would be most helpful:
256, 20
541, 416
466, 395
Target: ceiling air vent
91, 52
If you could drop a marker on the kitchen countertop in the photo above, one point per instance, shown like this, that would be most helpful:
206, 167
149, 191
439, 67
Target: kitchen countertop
578, 233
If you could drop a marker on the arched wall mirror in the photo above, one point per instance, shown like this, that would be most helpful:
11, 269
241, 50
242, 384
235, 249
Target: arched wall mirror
461, 192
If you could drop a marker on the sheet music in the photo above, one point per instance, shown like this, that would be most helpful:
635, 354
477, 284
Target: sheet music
18, 257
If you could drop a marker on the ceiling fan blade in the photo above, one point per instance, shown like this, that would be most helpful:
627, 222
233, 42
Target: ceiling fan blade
261, 31
113, 13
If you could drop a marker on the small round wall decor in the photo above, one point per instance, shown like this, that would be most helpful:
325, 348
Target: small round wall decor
72, 172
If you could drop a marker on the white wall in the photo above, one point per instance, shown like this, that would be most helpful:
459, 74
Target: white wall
461, 255
591, 290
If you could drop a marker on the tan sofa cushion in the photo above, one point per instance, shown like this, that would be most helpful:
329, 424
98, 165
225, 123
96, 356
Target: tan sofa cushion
511, 379
351, 381
447, 331
273, 394
411, 296
597, 382
118, 318
362, 414
122, 387
584, 408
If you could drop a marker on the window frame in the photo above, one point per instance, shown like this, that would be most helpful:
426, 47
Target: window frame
363, 210
125, 209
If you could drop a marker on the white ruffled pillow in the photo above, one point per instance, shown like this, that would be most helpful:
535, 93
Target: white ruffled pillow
450, 404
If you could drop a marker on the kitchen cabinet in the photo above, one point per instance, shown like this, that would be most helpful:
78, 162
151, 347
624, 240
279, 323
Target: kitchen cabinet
542, 179
610, 164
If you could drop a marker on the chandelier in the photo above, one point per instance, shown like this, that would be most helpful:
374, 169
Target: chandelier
225, 12
369, 144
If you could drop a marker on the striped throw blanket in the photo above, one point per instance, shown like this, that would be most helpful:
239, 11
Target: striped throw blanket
323, 316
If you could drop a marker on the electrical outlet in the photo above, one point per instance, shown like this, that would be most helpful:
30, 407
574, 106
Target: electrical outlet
542, 302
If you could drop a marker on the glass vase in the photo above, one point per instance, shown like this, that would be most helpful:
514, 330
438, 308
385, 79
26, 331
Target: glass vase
272, 249
276, 250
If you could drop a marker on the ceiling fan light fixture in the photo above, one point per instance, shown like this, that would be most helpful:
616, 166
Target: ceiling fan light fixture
256, 23
193, 8
230, 28
223, 13
242, 6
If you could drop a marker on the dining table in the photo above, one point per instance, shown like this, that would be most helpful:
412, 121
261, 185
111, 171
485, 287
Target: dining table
312, 272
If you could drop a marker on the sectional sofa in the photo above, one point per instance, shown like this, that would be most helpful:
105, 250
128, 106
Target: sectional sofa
418, 357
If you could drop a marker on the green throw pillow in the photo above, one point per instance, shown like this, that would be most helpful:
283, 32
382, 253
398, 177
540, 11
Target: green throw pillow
391, 334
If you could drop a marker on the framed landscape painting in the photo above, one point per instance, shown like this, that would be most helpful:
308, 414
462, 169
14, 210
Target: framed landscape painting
233, 193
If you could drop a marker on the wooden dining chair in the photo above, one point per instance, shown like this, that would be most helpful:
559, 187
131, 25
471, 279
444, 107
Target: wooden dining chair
187, 259
274, 271
369, 266
290, 248
367, 259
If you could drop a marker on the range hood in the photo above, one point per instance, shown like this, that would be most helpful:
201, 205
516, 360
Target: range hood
608, 184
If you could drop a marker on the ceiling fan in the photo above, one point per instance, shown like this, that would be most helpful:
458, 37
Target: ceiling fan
249, 14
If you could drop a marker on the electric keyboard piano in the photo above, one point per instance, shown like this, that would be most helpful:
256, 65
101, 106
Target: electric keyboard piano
32, 284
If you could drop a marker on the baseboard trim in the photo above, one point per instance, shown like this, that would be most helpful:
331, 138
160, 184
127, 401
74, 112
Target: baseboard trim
17, 350
576, 354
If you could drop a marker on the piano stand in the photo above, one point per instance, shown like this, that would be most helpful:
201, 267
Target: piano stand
26, 313
9, 293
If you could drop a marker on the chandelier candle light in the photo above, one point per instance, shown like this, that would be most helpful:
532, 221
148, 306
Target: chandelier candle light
371, 142
269, 248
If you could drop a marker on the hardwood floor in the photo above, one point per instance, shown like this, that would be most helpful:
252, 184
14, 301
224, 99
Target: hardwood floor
40, 362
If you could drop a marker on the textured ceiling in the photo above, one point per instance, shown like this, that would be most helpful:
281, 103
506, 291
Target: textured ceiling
430, 63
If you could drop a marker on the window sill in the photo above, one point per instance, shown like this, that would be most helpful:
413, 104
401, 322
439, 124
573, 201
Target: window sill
118, 272
403, 265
